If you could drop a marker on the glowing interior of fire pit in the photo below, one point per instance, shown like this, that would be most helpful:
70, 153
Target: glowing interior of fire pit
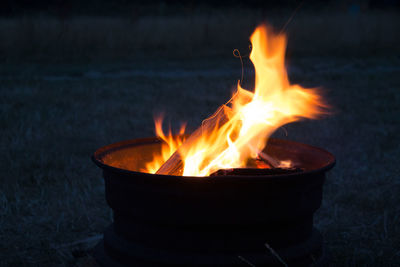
133, 155
239, 130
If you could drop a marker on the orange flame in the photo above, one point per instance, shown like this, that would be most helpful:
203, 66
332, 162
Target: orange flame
251, 117
168, 147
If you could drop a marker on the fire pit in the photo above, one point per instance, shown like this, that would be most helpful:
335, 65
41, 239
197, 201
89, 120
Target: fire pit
219, 220
227, 194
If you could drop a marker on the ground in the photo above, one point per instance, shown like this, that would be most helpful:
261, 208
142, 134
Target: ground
54, 116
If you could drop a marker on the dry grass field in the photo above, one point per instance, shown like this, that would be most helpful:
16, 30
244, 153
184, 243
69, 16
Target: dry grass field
55, 114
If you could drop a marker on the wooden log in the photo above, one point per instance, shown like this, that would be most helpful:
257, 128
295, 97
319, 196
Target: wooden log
268, 159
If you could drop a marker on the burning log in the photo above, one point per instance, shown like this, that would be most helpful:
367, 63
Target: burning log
174, 165
269, 160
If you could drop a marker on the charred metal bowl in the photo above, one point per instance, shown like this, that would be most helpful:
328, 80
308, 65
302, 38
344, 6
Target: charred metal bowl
218, 220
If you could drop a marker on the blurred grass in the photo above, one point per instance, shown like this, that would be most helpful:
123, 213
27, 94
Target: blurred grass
55, 114
193, 34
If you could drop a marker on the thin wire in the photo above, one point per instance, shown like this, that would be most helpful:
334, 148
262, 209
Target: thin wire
236, 53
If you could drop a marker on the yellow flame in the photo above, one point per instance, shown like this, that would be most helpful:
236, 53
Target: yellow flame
168, 147
251, 117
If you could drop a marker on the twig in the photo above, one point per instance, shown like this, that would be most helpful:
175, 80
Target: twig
273, 252
246, 261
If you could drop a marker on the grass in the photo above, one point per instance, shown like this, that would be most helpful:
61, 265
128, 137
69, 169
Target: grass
54, 116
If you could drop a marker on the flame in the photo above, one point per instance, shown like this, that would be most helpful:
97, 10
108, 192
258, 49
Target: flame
249, 118
168, 147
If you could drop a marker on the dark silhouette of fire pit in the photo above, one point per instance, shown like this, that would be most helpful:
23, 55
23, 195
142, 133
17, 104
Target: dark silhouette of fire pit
217, 220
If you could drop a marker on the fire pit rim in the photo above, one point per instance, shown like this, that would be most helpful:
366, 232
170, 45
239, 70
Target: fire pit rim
97, 156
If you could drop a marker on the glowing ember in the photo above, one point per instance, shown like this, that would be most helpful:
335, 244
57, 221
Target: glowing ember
240, 129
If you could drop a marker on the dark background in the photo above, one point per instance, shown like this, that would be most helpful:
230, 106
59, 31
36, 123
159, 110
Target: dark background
123, 7
77, 75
